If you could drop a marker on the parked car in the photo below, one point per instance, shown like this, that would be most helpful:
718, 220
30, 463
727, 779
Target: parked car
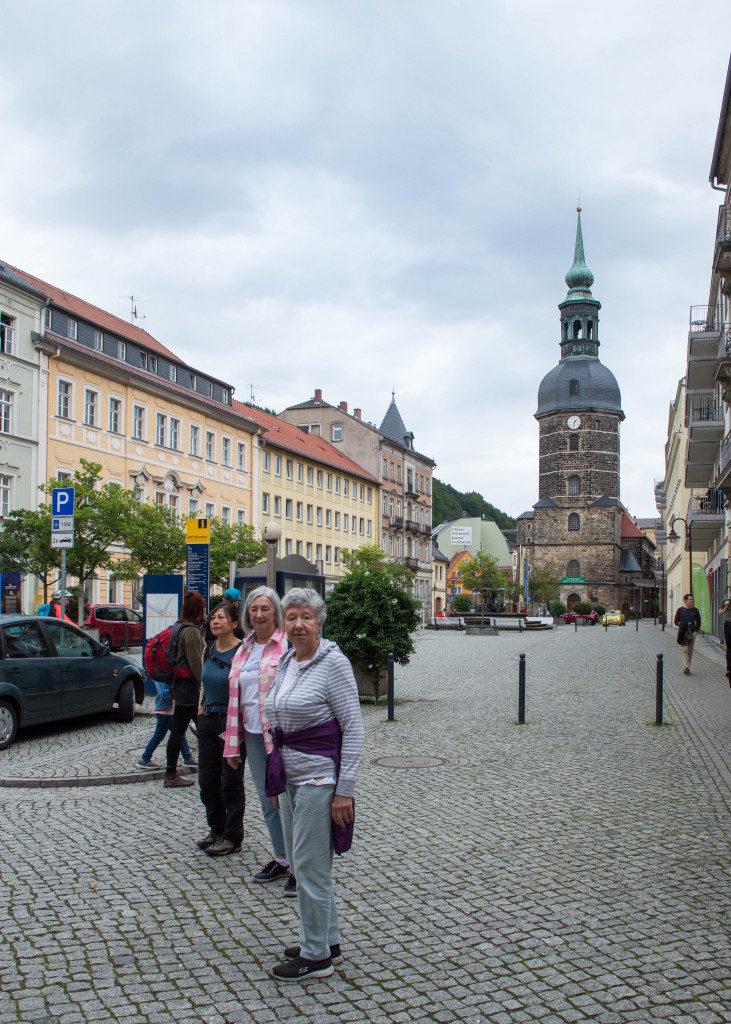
118, 625
613, 618
51, 669
591, 618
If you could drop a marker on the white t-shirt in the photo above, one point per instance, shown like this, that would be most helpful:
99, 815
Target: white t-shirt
249, 690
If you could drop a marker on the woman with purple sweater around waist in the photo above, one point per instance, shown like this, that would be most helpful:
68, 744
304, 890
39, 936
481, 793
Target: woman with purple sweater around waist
317, 731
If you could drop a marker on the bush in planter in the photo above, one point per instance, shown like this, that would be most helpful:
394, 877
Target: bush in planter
462, 604
582, 607
599, 609
556, 608
371, 613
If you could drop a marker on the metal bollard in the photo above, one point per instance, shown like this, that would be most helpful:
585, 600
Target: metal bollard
521, 690
520, 625
658, 691
637, 621
390, 688
576, 623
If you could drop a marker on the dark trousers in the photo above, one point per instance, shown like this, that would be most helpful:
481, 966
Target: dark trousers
222, 787
183, 715
727, 641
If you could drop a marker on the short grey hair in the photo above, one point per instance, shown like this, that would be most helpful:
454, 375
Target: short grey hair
297, 597
272, 597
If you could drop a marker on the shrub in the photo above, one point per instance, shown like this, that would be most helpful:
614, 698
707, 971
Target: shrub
599, 609
582, 607
557, 608
462, 604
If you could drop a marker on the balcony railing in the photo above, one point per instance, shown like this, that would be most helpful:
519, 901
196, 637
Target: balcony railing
723, 230
704, 318
704, 407
412, 525
397, 521
411, 563
709, 503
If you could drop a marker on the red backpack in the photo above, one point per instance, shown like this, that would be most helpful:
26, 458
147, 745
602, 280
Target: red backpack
160, 663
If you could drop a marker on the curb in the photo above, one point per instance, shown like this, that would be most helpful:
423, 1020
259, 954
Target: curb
128, 779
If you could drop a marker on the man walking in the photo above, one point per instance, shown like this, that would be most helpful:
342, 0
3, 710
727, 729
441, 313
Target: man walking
688, 621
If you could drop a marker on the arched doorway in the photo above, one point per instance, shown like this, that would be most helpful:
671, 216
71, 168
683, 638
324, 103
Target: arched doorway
572, 599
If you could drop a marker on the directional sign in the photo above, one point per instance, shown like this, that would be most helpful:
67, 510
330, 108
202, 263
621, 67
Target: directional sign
62, 501
197, 569
65, 525
198, 531
62, 540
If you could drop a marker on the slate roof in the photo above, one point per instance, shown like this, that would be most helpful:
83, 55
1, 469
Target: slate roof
598, 388
604, 502
628, 562
545, 503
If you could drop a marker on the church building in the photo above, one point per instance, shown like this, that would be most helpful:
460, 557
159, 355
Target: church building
578, 527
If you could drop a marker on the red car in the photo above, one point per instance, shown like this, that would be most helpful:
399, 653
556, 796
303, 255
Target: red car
590, 619
119, 626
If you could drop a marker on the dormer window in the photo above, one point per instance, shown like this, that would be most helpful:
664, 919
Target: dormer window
574, 388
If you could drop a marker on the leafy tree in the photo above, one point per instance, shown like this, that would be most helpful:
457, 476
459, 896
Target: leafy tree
371, 614
371, 556
233, 543
101, 514
155, 538
449, 503
482, 576
557, 608
25, 547
543, 586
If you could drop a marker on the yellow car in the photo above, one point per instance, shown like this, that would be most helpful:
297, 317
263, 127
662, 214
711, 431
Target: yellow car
613, 618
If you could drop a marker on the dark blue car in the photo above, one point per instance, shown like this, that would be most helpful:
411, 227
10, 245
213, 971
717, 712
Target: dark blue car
51, 669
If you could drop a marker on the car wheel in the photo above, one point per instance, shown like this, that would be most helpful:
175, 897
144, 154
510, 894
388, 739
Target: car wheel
126, 701
8, 723
106, 641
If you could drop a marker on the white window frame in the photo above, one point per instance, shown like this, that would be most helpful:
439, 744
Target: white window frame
225, 451
174, 433
91, 407
139, 422
241, 456
161, 428
64, 399
7, 486
195, 441
7, 404
99, 340
210, 446
72, 329
115, 415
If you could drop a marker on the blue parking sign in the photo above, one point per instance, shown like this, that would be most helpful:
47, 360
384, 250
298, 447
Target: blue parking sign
62, 501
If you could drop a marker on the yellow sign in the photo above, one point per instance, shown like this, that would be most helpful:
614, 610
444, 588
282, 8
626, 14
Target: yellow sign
198, 531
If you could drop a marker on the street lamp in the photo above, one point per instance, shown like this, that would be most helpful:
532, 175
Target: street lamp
672, 537
271, 532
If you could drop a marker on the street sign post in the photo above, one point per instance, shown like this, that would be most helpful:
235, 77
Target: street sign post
63, 500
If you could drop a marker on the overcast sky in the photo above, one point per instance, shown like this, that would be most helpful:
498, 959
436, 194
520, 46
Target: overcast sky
367, 195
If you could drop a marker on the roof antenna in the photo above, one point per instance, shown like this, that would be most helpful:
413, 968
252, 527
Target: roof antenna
133, 314
252, 399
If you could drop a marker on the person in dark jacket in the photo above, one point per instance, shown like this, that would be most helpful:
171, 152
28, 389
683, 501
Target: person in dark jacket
688, 621
186, 692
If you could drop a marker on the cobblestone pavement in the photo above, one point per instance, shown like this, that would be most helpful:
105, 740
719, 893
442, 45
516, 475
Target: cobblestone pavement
575, 868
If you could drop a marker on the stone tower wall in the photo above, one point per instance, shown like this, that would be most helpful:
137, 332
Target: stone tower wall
596, 461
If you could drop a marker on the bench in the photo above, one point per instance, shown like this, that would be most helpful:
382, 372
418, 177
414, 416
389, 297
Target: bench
453, 622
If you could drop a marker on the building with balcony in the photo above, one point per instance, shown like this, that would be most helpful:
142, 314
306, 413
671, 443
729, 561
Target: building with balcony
386, 452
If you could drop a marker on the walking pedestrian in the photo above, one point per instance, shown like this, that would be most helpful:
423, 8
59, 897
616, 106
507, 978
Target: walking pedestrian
253, 672
221, 783
688, 621
186, 692
725, 610
163, 725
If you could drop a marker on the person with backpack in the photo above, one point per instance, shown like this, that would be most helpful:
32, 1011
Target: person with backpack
163, 724
185, 686
688, 621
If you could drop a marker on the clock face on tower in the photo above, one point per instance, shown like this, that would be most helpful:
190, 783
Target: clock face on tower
573, 422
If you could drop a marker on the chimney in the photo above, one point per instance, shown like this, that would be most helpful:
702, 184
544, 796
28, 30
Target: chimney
343, 406
318, 394
356, 413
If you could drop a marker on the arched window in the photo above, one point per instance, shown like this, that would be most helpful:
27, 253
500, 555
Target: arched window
573, 569
573, 442
577, 329
574, 389
572, 599
574, 522
574, 485
590, 330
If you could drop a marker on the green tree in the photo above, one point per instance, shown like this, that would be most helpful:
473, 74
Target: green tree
25, 547
482, 576
543, 586
371, 614
371, 556
101, 514
155, 537
449, 503
232, 543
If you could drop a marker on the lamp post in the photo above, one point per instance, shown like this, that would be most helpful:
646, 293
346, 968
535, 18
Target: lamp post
672, 537
271, 532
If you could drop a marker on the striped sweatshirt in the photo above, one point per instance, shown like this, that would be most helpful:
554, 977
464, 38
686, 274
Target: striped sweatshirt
323, 690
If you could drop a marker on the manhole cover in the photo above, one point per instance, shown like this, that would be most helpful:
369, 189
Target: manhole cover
409, 762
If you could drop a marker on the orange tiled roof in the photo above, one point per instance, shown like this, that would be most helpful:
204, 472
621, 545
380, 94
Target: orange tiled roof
86, 311
292, 439
629, 528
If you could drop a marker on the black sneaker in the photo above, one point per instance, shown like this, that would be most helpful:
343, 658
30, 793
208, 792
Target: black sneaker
270, 872
290, 888
292, 952
300, 969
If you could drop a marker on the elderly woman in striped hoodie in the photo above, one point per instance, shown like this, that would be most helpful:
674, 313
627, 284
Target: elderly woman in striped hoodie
253, 671
317, 732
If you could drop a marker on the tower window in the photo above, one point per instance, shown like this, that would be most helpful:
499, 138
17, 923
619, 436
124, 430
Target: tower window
574, 522
573, 569
577, 328
574, 388
573, 442
590, 330
574, 486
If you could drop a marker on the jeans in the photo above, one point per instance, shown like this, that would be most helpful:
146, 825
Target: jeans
307, 826
222, 787
727, 641
688, 651
183, 715
257, 755
163, 724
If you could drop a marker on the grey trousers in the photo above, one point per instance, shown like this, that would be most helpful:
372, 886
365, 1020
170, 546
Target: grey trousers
307, 826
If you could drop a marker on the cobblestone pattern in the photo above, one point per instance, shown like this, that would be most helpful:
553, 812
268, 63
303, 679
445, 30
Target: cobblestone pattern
572, 869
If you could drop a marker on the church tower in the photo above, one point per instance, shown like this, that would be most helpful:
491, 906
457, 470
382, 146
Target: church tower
579, 404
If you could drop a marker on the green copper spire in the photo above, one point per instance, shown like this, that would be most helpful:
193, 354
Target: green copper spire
579, 278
